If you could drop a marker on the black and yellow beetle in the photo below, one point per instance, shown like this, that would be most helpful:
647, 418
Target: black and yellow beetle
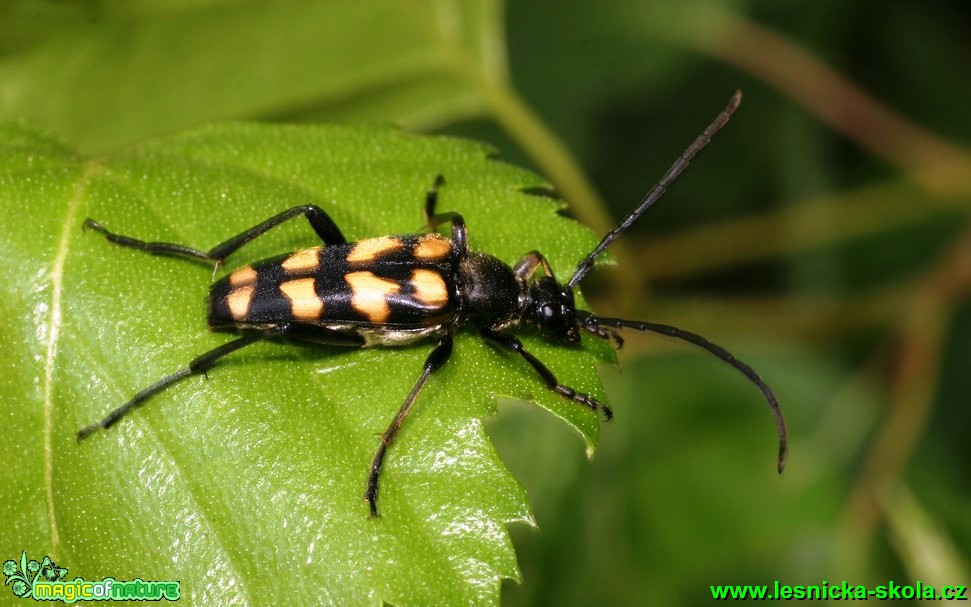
397, 290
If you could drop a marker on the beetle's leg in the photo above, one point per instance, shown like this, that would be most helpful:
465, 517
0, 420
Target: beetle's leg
528, 264
198, 365
434, 362
319, 220
511, 342
602, 333
431, 200
433, 219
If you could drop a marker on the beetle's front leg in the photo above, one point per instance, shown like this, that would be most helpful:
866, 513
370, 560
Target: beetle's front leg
511, 342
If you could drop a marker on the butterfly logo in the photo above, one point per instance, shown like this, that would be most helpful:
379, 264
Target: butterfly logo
52, 572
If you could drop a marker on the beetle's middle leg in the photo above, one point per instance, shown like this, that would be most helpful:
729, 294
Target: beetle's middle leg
459, 236
438, 357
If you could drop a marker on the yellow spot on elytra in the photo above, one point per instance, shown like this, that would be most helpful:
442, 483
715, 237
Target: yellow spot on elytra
243, 276
371, 249
429, 288
239, 301
432, 247
302, 261
370, 295
304, 302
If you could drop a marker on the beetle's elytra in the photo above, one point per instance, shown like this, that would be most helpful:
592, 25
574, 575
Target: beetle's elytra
398, 290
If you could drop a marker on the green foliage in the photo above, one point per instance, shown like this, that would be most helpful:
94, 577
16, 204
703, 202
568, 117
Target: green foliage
805, 241
249, 486
193, 62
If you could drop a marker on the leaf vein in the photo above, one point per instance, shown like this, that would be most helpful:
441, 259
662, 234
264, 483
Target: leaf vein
167, 456
56, 278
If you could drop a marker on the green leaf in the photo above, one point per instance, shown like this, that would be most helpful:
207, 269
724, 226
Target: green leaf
247, 486
81, 68
193, 62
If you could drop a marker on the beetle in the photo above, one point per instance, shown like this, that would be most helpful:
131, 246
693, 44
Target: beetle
395, 291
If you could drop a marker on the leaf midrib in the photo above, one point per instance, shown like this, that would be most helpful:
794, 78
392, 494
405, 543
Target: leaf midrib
56, 279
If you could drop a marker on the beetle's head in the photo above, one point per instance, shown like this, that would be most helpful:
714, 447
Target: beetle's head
554, 312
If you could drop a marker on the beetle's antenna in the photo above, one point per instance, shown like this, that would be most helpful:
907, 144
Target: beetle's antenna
591, 323
659, 188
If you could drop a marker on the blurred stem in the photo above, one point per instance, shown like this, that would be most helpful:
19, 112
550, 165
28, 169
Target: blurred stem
483, 62
549, 152
912, 397
938, 165
923, 546
486, 69
927, 318
871, 210
943, 170
556, 162
803, 317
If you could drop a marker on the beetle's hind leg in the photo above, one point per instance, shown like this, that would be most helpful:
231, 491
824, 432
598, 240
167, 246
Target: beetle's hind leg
155, 248
319, 220
200, 364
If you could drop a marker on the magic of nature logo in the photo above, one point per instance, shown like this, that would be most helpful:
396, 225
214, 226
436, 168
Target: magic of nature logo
45, 581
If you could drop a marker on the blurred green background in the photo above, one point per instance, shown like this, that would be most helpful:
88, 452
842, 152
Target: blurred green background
824, 238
